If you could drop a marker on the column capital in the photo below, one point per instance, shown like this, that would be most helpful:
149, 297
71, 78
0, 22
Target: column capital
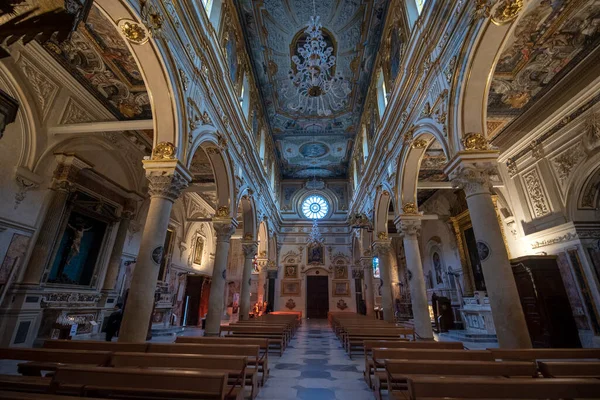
409, 227
474, 172
381, 248
225, 228
167, 178
249, 249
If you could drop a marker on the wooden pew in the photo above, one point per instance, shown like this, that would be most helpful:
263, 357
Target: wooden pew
287, 328
380, 355
38, 360
234, 366
276, 335
398, 371
479, 388
95, 345
353, 338
140, 383
18, 383
263, 361
544, 354
369, 345
570, 369
6, 395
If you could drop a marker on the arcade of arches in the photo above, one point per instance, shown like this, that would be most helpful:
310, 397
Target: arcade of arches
440, 165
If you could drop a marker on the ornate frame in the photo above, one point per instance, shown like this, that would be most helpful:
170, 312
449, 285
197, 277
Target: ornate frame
297, 292
334, 283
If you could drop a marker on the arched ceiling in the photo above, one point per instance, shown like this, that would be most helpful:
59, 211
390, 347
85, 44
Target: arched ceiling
549, 41
306, 141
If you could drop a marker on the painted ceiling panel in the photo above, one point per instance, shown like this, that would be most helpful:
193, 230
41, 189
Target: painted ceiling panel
352, 28
549, 41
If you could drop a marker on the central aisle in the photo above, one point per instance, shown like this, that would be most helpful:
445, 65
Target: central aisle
315, 367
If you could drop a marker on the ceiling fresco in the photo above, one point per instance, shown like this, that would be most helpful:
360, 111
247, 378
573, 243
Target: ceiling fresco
272, 29
549, 41
99, 59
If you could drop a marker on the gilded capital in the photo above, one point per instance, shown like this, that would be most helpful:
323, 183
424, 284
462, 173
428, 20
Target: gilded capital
164, 151
410, 208
222, 212
475, 141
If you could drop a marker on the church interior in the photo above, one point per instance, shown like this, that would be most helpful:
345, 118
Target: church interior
299, 199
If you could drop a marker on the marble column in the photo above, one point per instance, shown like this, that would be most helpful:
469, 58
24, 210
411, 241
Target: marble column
367, 265
114, 264
410, 227
225, 228
249, 249
473, 176
166, 181
382, 249
65, 174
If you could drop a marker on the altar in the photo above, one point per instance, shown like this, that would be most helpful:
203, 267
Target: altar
477, 314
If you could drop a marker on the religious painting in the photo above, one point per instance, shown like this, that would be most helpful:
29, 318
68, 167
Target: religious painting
315, 254
340, 272
290, 288
341, 288
396, 47
78, 250
437, 266
198, 250
291, 271
231, 52
13, 258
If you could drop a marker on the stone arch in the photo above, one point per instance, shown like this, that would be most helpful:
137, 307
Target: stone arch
249, 216
409, 163
160, 76
583, 194
28, 117
383, 199
222, 169
471, 80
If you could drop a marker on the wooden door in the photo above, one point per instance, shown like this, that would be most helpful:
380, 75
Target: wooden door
193, 289
317, 296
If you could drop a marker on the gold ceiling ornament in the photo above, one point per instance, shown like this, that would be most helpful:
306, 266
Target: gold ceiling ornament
419, 144
164, 151
382, 236
222, 212
134, 32
506, 11
475, 141
152, 18
410, 208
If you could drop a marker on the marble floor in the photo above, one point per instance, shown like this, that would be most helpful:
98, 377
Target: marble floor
315, 367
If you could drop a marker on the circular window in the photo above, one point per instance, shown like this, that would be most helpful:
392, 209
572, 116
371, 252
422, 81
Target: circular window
315, 207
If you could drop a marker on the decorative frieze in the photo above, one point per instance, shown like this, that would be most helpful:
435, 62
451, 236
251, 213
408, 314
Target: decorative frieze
69, 299
565, 163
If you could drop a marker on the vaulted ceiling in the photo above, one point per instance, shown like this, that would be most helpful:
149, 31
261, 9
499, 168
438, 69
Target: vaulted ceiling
307, 143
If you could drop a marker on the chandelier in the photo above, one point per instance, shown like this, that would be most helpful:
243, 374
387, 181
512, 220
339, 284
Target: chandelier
314, 237
314, 88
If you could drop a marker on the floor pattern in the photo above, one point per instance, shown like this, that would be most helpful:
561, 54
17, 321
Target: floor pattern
315, 367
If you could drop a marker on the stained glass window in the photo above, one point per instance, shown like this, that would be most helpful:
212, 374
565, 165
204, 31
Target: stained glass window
315, 207
376, 272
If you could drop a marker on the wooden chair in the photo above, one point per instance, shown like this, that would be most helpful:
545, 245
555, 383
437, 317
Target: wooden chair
480, 388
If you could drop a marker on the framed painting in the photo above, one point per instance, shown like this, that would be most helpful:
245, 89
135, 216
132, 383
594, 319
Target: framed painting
290, 288
315, 254
198, 250
341, 288
291, 271
340, 272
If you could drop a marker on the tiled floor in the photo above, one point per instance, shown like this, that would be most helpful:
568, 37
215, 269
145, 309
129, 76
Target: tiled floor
315, 367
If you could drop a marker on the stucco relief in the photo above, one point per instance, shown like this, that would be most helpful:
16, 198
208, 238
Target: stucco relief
565, 164
535, 193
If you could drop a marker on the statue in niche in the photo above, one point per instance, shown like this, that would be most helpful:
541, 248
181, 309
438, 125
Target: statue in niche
437, 265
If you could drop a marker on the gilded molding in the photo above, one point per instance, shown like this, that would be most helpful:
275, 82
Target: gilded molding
410, 208
506, 11
164, 151
475, 141
222, 212
134, 32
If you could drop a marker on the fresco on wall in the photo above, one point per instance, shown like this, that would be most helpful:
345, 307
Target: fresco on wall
98, 57
15, 254
396, 47
549, 41
231, 52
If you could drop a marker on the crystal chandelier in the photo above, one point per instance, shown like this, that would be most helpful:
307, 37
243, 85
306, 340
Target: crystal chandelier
313, 87
314, 237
